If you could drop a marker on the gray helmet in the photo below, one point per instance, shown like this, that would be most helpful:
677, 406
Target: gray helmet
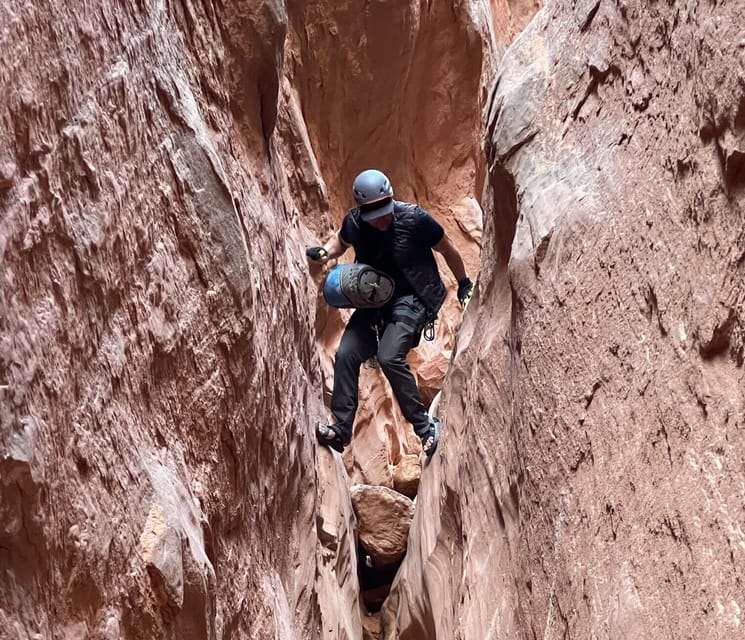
370, 186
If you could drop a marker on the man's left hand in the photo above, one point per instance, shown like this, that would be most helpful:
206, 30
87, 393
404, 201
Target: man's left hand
465, 291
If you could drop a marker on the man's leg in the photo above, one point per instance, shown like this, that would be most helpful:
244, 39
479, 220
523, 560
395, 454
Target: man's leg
357, 344
399, 336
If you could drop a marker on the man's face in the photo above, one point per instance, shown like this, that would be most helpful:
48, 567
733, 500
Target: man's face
382, 223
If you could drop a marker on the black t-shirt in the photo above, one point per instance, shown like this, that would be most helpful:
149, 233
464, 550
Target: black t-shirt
428, 231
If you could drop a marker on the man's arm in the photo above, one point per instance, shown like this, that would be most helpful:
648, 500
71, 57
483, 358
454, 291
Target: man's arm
455, 263
452, 257
334, 248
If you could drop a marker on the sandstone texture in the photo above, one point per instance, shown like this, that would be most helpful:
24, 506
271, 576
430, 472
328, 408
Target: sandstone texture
384, 517
157, 356
589, 483
162, 167
406, 475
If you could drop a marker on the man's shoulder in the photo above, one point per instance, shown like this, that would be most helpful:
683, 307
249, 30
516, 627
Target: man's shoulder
411, 212
403, 207
352, 217
409, 209
350, 225
420, 222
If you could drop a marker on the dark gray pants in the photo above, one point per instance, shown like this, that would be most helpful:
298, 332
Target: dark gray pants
402, 321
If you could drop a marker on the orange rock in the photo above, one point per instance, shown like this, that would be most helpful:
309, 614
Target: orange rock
383, 517
431, 375
406, 475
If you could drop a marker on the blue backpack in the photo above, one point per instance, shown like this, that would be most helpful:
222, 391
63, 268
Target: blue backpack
357, 286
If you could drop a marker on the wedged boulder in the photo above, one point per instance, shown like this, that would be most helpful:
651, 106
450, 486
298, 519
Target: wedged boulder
431, 375
406, 475
384, 517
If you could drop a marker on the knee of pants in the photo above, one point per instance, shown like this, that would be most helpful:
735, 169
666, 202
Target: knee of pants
390, 360
348, 357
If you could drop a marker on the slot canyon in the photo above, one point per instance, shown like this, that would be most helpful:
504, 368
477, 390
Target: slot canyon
166, 350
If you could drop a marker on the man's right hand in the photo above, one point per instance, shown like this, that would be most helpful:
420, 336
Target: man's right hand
317, 254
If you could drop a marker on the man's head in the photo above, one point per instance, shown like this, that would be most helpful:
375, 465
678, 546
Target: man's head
374, 196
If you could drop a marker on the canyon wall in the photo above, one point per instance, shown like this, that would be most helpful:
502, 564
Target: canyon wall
157, 347
590, 478
162, 167
164, 351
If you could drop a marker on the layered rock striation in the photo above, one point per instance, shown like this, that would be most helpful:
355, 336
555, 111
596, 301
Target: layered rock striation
589, 482
157, 479
162, 166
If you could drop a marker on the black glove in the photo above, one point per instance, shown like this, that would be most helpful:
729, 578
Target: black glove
317, 254
465, 291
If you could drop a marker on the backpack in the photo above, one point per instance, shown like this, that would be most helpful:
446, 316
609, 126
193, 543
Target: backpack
358, 286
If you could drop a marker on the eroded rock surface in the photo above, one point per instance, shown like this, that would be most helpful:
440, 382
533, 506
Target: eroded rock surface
158, 371
589, 481
162, 167
384, 517
406, 475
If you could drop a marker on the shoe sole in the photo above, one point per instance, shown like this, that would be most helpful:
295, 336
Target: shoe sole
433, 448
334, 444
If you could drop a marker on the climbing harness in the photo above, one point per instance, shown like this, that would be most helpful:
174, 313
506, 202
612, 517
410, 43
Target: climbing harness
377, 325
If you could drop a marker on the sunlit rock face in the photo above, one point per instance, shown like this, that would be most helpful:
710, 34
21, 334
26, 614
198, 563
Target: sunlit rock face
589, 482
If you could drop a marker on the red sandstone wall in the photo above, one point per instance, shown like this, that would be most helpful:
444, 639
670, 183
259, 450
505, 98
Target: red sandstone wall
589, 483
158, 365
162, 167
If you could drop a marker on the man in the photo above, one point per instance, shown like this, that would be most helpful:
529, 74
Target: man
396, 238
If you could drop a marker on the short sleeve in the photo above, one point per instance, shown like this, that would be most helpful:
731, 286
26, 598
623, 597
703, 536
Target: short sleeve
348, 231
429, 230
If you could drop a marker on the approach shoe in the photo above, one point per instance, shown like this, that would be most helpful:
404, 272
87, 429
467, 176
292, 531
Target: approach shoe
333, 435
431, 437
